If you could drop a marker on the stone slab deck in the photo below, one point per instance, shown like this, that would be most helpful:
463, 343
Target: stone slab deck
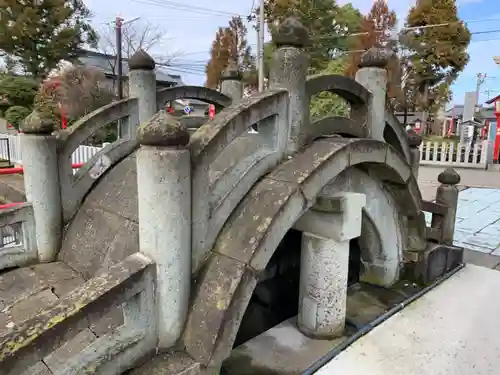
451, 330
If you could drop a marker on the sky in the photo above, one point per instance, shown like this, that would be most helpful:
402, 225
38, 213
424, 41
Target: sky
189, 32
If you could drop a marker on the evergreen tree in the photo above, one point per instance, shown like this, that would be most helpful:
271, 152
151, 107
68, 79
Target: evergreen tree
326, 21
436, 54
39, 34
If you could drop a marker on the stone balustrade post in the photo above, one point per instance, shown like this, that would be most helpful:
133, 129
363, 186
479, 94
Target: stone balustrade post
142, 85
324, 264
288, 70
164, 196
447, 195
231, 84
41, 181
414, 141
372, 74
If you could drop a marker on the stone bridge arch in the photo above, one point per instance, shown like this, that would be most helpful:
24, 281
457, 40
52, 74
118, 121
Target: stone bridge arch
354, 93
192, 92
254, 230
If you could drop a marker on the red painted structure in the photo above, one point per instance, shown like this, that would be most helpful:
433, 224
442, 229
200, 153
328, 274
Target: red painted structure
20, 170
496, 149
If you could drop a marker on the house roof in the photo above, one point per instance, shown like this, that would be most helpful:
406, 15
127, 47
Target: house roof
493, 100
458, 111
105, 63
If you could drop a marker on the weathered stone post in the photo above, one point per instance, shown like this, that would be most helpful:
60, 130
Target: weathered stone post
41, 181
324, 266
447, 195
231, 82
142, 85
414, 141
164, 196
373, 75
289, 70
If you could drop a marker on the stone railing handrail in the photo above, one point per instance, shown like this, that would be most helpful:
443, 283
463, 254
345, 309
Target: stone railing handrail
23, 250
73, 136
74, 187
191, 92
330, 125
218, 195
129, 283
401, 144
348, 89
207, 143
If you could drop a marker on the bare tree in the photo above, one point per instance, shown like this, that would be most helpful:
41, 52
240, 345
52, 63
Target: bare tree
135, 36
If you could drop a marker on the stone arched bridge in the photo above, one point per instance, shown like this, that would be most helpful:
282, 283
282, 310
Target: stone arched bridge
174, 245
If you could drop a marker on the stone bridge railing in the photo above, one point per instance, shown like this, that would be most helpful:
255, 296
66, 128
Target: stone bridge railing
130, 283
17, 236
53, 189
227, 161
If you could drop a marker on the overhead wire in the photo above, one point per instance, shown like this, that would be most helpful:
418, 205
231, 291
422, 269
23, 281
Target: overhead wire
198, 66
188, 8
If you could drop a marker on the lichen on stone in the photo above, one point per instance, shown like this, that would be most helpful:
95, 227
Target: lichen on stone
163, 130
141, 60
291, 33
449, 177
375, 57
231, 72
37, 123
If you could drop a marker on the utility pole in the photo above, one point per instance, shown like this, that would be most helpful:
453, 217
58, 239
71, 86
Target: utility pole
119, 23
257, 28
119, 64
119, 58
260, 36
480, 80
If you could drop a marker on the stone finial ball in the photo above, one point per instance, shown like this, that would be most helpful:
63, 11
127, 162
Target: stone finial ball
449, 177
163, 130
141, 61
291, 33
35, 123
231, 72
414, 139
375, 57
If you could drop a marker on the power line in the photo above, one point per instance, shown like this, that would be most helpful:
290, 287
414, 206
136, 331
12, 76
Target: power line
349, 51
188, 8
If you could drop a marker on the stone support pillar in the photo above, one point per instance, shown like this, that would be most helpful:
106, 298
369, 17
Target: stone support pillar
447, 195
41, 181
164, 196
372, 74
414, 141
142, 85
324, 265
231, 82
289, 70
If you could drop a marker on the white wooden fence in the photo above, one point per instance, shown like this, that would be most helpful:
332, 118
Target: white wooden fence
431, 153
455, 154
10, 147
